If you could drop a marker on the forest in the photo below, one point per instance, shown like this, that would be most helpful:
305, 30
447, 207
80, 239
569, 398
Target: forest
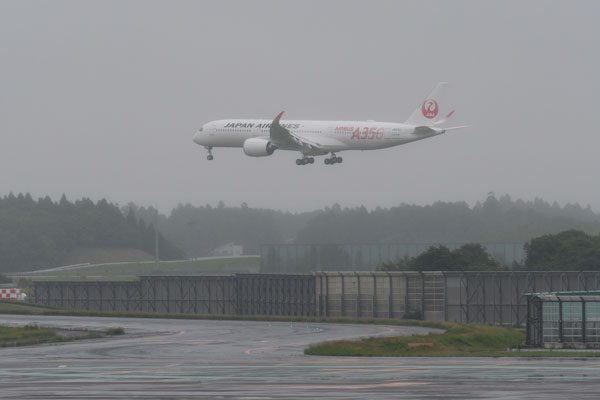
36, 234
569, 250
199, 229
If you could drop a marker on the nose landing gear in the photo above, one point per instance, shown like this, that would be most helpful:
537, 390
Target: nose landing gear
209, 157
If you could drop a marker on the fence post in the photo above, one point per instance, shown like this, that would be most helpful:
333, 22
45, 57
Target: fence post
374, 297
326, 294
560, 321
445, 296
528, 323
406, 299
342, 302
422, 294
390, 298
583, 321
357, 294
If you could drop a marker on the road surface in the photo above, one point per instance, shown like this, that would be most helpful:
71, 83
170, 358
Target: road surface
197, 359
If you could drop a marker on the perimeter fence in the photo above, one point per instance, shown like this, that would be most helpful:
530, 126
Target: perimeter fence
490, 297
303, 258
237, 294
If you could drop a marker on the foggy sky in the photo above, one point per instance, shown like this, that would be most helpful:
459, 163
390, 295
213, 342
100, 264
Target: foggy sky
100, 99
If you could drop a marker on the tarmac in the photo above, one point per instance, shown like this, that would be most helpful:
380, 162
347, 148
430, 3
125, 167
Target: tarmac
204, 359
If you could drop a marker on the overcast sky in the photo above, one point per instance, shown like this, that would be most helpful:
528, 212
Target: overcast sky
101, 99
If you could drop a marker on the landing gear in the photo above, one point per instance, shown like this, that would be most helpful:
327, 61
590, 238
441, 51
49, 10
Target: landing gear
209, 157
305, 160
333, 160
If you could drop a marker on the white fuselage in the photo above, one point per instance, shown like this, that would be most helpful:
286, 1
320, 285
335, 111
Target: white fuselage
336, 135
261, 137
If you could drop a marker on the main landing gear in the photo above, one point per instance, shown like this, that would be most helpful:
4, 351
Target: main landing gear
310, 160
333, 160
305, 160
209, 157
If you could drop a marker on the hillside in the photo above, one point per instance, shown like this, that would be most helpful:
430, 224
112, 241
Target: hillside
133, 270
81, 255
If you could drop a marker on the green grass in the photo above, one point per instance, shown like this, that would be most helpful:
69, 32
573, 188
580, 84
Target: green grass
115, 331
459, 340
22, 308
131, 270
22, 336
12, 336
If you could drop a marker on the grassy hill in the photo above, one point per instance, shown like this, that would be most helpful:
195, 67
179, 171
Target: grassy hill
132, 270
82, 255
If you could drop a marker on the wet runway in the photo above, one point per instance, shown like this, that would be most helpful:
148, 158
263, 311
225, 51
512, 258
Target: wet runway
173, 359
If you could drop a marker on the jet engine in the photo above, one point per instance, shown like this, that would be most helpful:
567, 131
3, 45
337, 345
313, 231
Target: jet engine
258, 147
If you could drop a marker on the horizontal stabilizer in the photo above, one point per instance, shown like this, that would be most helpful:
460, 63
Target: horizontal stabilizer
457, 127
428, 130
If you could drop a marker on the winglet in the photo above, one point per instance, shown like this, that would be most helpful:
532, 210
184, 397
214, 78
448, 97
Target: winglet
277, 118
278, 134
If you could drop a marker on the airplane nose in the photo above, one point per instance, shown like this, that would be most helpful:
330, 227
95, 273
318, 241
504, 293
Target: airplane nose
197, 137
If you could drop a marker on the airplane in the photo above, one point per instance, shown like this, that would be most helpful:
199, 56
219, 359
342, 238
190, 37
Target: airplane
261, 137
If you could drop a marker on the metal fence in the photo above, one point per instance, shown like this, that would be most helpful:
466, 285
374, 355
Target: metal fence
564, 319
298, 258
242, 294
491, 297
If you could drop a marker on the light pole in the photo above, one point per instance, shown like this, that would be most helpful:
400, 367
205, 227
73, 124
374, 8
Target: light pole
156, 238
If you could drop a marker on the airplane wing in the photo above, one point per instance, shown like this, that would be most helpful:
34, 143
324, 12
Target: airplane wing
283, 138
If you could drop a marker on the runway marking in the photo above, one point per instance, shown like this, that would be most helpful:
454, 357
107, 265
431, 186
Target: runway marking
256, 350
352, 386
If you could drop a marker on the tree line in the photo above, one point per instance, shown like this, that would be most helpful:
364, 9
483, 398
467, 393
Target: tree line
36, 234
495, 220
199, 229
41, 233
570, 250
470, 256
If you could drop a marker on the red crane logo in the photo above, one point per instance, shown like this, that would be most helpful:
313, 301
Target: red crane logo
430, 108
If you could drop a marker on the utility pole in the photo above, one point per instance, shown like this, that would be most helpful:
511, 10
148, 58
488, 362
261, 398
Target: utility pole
156, 238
